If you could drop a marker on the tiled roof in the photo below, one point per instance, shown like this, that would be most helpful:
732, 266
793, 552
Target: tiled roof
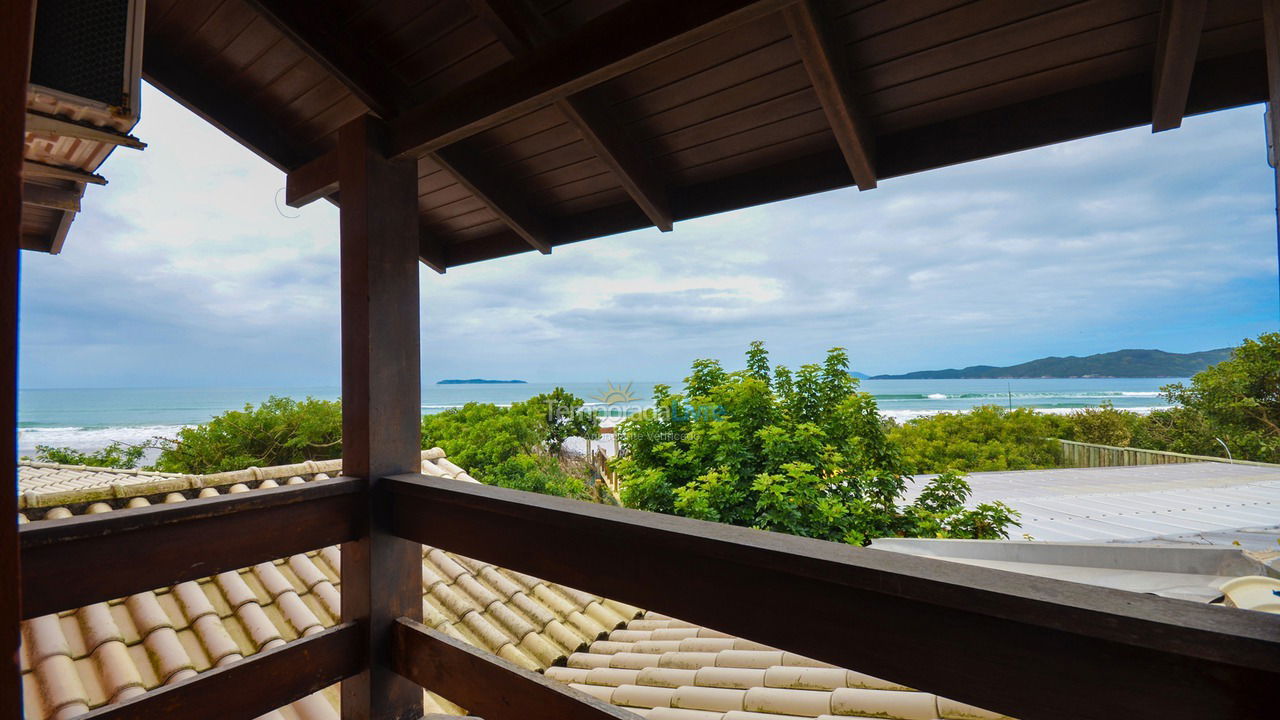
108, 652
667, 669
656, 666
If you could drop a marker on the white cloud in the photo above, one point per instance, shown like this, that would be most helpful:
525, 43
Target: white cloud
185, 271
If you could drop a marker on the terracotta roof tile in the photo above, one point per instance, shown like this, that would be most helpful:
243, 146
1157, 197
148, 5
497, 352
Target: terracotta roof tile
660, 667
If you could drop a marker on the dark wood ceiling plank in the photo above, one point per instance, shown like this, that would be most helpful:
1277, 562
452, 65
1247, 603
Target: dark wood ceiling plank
307, 25
953, 40
1111, 105
1061, 52
497, 195
831, 82
360, 74
1181, 24
522, 29
613, 44
51, 197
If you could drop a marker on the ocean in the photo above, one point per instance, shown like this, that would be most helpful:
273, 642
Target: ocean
90, 418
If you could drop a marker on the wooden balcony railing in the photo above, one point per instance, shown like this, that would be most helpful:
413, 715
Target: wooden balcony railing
1026, 646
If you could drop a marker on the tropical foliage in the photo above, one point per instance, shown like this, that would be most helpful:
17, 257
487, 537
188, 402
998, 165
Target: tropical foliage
279, 431
115, 455
804, 453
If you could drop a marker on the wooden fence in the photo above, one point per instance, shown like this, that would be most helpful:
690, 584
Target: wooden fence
1078, 454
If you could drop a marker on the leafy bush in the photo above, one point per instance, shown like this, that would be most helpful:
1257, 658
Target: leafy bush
536, 473
985, 438
1237, 400
115, 455
803, 453
508, 446
280, 431
1103, 425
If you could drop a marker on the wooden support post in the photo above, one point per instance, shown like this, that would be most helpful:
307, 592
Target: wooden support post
15, 61
381, 414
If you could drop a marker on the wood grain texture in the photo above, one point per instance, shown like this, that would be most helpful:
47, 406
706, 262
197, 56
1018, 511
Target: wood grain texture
1181, 24
175, 540
253, 686
831, 82
15, 59
487, 685
381, 403
522, 29
612, 44
1030, 643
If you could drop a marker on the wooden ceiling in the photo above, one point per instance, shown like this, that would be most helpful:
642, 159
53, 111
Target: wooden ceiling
542, 122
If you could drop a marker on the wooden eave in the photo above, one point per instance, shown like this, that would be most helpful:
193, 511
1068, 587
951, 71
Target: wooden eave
690, 108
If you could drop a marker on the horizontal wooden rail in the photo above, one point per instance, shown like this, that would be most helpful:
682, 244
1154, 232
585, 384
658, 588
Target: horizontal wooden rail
76, 561
253, 686
1026, 646
1081, 454
485, 684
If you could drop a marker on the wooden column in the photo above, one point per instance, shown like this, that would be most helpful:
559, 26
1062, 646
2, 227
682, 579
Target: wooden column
381, 415
15, 61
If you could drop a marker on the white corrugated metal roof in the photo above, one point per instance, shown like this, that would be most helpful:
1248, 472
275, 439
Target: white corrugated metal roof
1135, 503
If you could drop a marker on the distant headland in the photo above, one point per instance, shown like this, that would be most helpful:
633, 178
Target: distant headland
1119, 364
481, 381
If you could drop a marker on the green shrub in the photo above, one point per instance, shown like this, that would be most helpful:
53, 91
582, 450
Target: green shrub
803, 453
115, 455
280, 431
985, 438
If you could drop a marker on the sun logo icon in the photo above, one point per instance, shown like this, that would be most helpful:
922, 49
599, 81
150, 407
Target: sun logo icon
614, 395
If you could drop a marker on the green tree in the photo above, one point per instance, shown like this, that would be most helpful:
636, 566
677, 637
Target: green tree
985, 438
280, 431
1103, 425
115, 455
1237, 400
804, 453
559, 416
481, 436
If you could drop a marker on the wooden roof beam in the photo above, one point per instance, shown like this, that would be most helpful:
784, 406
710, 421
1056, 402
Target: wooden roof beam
830, 82
312, 29
359, 74
1181, 24
52, 198
522, 29
504, 204
613, 44
31, 168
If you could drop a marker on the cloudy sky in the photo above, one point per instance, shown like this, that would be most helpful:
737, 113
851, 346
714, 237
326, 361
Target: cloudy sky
188, 271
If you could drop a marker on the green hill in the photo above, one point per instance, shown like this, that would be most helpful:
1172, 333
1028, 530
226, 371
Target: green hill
1121, 363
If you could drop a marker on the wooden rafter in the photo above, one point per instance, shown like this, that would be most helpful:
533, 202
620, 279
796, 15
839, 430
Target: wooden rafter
830, 82
1181, 24
491, 192
522, 29
313, 33
312, 29
52, 198
615, 43
31, 168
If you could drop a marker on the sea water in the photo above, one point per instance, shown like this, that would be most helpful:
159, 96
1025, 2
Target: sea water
91, 418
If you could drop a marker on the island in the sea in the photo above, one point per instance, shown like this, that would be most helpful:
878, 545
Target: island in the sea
480, 381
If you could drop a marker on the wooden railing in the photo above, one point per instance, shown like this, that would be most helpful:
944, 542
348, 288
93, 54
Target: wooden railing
1078, 454
1026, 646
